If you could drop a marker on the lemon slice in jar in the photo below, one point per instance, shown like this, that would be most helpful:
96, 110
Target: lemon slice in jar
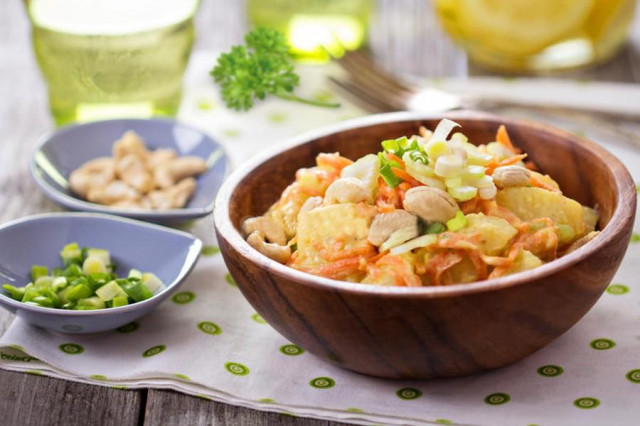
521, 27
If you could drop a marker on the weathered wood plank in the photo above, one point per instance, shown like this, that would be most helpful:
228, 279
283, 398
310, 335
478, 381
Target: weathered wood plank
32, 400
169, 407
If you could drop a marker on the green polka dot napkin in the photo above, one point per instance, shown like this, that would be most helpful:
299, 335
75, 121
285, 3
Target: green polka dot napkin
207, 340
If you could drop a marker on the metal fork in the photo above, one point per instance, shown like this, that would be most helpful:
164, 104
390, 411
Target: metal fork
377, 90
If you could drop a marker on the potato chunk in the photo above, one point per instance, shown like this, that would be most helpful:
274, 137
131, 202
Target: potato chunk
496, 232
525, 261
531, 203
326, 231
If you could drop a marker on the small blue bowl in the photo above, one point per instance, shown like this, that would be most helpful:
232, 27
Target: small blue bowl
37, 240
66, 149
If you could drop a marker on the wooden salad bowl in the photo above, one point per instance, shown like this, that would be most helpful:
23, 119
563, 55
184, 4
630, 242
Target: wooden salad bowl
428, 332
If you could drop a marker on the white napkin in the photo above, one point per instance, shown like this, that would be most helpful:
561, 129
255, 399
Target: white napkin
208, 341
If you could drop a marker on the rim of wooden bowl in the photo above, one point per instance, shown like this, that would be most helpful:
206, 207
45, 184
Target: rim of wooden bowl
623, 213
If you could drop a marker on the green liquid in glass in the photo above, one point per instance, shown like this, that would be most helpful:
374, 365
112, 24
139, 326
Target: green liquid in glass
107, 73
315, 28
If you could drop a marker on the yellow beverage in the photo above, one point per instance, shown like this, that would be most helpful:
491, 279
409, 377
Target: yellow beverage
526, 35
112, 58
314, 27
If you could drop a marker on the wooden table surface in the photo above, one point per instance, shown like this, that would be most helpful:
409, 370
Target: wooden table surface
403, 32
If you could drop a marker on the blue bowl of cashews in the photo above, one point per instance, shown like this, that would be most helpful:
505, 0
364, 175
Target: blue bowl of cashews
157, 170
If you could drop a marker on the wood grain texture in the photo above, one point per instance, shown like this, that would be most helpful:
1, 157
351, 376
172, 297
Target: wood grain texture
403, 30
168, 407
430, 332
26, 399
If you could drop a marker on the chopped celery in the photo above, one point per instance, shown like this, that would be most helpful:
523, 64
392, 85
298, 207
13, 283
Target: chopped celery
38, 271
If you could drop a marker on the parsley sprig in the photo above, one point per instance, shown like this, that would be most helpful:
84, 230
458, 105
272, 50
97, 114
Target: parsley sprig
260, 67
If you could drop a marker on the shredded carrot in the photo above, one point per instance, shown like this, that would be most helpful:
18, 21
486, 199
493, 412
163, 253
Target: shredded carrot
387, 199
471, 206
399, 173
391, 156
337, 251
402, 189
332, 161
531, 166
340, 268
503, 138
440, 263
494, 163
478, 264
538, 183
403, 271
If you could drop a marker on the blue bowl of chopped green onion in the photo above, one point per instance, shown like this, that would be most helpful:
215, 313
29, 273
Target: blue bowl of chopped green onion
89, 272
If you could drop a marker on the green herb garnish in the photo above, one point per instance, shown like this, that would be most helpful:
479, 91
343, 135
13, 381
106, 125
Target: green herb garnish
261, 67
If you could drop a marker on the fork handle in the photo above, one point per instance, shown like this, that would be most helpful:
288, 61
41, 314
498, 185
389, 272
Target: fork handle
561, 110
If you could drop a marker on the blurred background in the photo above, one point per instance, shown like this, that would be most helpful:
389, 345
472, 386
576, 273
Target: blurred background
406, 37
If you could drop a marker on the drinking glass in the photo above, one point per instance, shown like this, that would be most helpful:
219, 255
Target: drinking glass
112, 58
534, 36
315, 29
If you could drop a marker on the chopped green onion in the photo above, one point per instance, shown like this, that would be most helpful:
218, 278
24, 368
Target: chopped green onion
435, 228
419, 157
386, 173
85, 283
16, 293
38, 271
458, 222
463, 193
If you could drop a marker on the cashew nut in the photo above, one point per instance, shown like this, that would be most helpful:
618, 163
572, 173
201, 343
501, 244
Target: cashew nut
508, 176
138, 178
170, 172
115, 191
132, 170
142, 204
273, 251
310, 204
130, 143
160, 156
385, 224
346, 190
98, 172
430, 204
272, 230
581, 241
174, 196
